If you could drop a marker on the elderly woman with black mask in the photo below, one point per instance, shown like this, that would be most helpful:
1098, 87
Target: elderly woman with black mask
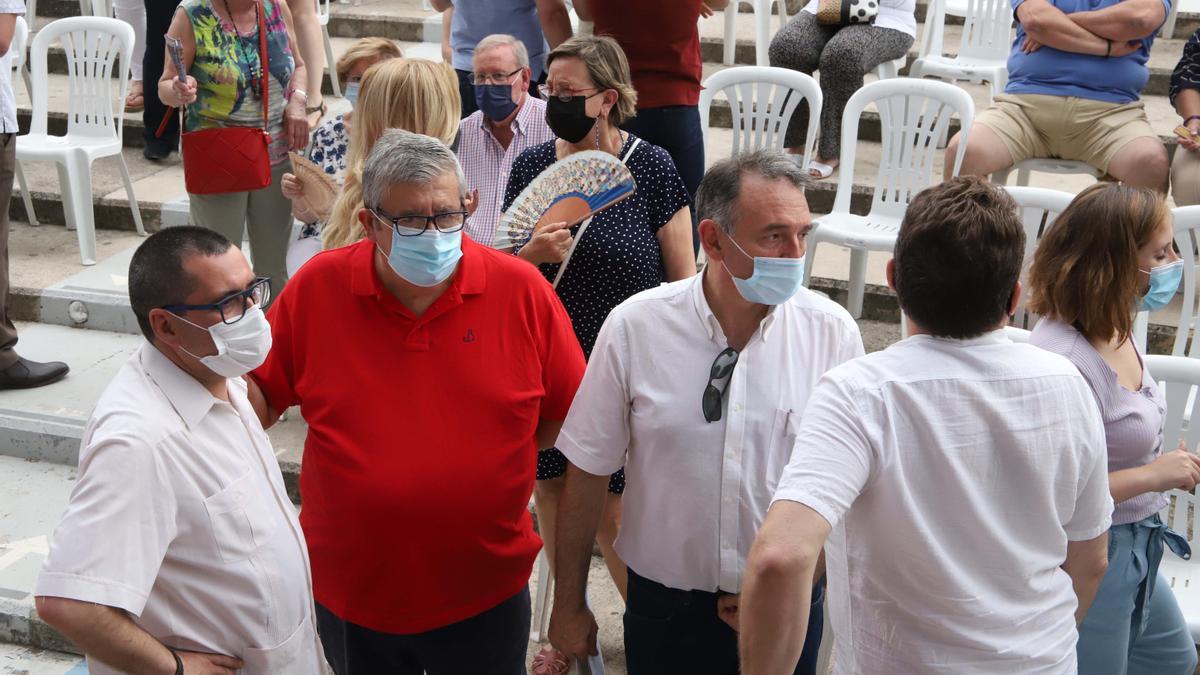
633, 246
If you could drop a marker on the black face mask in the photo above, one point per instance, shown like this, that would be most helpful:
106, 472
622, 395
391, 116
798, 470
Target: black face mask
569, 119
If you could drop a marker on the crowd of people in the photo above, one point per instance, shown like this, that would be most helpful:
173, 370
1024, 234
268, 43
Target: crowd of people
957, 502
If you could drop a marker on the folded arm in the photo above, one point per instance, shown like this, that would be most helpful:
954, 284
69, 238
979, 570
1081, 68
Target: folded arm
1047, 25
1127, 20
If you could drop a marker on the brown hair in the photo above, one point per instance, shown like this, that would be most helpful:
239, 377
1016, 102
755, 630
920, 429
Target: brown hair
1085, 269
607, 67
958, 256
366, 48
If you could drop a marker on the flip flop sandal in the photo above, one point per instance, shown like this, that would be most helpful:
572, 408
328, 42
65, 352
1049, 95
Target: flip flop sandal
135, 102
550, 661
319, 108
822, 170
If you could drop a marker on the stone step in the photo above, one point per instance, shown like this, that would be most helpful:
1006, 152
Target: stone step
21, 660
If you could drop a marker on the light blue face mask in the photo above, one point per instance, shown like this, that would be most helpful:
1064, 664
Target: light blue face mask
352, 93
774, 281
427, 259
1164, 282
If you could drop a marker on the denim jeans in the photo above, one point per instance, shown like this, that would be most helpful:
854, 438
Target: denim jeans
1134, 625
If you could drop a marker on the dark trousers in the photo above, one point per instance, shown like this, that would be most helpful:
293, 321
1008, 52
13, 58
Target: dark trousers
8, 333
466, 91
676, 129
673, 631
492, 642
158, 20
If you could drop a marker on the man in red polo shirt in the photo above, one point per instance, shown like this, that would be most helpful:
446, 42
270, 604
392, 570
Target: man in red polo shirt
662, 42
429, 370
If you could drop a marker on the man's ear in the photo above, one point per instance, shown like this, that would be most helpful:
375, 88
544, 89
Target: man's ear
367, 220
709, 241
891, 274
1015, 299
163, 327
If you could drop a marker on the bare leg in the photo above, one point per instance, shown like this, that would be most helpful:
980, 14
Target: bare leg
312, 48
1142, 162
546, 495
606, 534
985, 154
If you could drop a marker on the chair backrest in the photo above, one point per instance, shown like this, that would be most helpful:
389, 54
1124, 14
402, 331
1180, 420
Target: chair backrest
1187, 240
19, 47
93, 47
323, 11
913, 115
1037, 208
987, 30
762, 100
1178, 378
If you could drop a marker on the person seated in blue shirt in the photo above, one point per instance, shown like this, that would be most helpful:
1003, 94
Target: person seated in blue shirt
1076, 74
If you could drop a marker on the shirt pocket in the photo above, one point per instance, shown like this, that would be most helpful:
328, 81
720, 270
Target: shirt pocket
781, 441
296, 655
239, 519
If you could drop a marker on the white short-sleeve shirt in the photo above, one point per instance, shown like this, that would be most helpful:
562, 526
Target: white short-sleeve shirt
180, 518
953, 472
696, 491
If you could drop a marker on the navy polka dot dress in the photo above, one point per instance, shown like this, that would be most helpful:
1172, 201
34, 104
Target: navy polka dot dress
618, 256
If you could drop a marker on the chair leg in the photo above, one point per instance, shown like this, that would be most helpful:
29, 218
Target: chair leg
25, 75
810, 255
762, 34
730, 32
25, 196
858, 282
64, 190
541, 603
333, 78
1023, 176
79, 186
133, 204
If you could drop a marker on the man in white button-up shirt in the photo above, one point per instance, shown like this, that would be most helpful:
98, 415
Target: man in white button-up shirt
179, 551
961, 479
696, 388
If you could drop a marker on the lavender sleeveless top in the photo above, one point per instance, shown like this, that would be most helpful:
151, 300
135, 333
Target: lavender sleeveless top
1133, 420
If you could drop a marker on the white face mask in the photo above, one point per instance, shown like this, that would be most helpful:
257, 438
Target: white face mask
241, 346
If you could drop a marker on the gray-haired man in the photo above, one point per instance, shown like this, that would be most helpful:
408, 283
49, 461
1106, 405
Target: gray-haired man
508, 121
743, 345
430, 370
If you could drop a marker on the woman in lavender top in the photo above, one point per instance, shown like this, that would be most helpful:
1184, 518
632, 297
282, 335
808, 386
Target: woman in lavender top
1110, 253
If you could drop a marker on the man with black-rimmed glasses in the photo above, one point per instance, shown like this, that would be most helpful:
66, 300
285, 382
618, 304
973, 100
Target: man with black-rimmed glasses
697, 387
179, 550
430, 370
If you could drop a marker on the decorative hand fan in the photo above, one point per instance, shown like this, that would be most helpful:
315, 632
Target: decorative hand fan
570, 190
320, 190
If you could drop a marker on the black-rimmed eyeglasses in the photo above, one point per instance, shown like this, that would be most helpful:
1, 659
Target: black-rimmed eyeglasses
492, 78
232, 307
411, 226
718, 381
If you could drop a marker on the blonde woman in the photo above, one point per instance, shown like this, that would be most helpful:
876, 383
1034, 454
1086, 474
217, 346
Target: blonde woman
330, 145
411, 94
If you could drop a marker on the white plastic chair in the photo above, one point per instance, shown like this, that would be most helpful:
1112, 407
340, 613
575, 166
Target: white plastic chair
1187, 240
762, 28
1037, 208
1168, 28
913, 115
17, 50
762, 101
1178, 378
890, 69
542, 599
983, 54
1045, 165
323, 19
95, 122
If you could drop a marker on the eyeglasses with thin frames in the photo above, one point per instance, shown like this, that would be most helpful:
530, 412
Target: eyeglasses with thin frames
718, 380
564, 94
411, 226
492, 78
232, 307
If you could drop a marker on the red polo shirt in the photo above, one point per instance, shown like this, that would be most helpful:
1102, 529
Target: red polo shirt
420, 456
661, 41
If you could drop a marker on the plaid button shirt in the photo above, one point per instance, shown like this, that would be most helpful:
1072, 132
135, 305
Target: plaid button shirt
487, 164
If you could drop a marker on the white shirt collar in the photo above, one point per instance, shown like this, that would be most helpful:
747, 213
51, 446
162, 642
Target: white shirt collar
995, 337
709, 320
189, 398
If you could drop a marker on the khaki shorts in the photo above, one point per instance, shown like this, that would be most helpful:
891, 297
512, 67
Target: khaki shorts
1065, 127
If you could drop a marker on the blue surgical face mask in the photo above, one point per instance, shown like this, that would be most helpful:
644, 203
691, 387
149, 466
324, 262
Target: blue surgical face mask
1164, 282
774, 281
427, 259
495, 100
352, 93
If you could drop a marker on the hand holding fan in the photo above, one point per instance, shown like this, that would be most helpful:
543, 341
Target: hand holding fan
320, 190
571, 190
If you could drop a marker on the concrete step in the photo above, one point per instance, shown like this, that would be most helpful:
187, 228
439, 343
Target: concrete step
21, 660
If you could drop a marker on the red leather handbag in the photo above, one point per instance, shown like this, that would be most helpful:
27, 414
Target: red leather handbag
229, 159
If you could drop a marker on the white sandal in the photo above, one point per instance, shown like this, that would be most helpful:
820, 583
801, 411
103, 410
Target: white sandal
821, 169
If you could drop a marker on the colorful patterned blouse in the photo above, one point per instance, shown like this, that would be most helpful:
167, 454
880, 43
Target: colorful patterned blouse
227, 69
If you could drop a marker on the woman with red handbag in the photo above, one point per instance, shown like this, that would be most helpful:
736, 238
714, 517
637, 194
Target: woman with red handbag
242, 113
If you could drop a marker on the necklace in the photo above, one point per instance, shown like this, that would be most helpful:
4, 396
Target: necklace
253, 69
